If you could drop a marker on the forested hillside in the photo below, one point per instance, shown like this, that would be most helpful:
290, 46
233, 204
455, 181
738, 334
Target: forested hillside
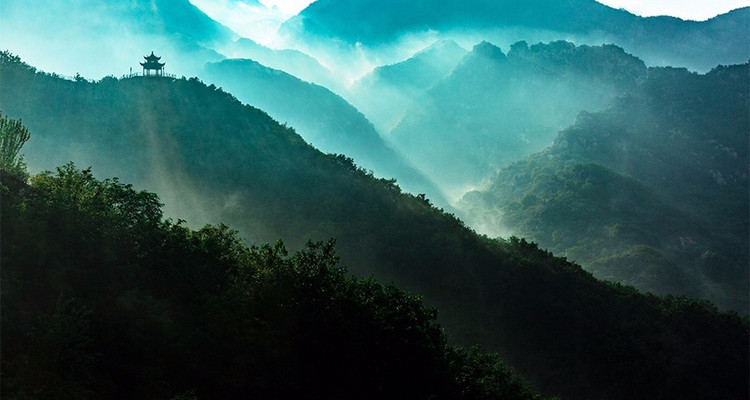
103, 298
215, 160
652, 192
320, 116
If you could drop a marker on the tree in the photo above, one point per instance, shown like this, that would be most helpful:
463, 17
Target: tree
13, 135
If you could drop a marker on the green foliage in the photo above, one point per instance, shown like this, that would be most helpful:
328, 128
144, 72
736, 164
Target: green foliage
104, 299
484, 376
60, 356
13, 135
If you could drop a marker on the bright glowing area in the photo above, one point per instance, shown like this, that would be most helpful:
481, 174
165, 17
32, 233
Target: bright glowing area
259, 20
255, 20
288, 7
698, 10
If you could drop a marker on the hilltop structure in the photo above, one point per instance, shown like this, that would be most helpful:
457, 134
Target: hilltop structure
152, 64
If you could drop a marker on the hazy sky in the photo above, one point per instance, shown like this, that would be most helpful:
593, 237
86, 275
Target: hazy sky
259, 19
289, 7
685, 9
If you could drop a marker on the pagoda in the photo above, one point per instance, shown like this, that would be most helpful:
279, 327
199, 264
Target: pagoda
152, 64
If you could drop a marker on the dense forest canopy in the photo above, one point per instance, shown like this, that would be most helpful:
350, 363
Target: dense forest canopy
103, 298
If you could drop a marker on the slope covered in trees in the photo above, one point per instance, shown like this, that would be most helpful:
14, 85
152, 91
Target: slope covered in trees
102, 298
320, 116
215, 159
652, 192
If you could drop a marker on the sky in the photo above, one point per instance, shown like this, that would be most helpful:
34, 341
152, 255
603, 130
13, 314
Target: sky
288, 7
685, 9
698, 10
259, 19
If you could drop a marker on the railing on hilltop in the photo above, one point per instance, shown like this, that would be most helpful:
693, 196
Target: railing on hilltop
140, 75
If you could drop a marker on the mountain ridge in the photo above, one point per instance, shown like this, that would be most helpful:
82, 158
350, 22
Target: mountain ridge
658, 40
493, 109
330, 123
388, 92
679, 138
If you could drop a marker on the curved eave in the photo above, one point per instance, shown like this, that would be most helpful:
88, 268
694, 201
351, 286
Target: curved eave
152, 65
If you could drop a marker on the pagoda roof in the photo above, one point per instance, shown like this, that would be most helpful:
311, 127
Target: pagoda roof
152, 57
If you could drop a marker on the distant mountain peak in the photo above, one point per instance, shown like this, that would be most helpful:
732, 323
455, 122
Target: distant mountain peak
519, 47
657, 40
441, 46
489, 50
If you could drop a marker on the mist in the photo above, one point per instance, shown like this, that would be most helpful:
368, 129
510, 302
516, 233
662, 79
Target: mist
97, 39
482, 110
480, 120
249, 19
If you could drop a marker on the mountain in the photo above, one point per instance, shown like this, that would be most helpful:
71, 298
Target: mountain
107, 37
390, 91
215, 159
420, 71
178, 18
494, 109
657, 40
294, 62
652, 192
321, 117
